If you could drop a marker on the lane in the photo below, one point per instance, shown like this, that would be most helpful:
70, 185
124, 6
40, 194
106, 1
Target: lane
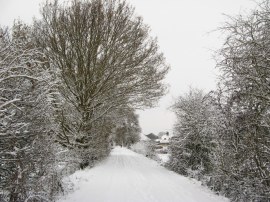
126, 176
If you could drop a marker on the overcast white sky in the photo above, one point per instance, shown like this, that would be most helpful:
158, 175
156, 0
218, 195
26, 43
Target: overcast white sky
182, 28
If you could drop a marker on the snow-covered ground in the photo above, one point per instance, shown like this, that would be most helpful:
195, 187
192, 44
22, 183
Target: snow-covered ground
164, 158
126, 176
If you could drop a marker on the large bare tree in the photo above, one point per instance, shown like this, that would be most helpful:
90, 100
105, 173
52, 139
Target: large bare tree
105, 58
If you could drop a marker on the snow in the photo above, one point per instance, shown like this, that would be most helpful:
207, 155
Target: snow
140, 147
163, 157
126, 176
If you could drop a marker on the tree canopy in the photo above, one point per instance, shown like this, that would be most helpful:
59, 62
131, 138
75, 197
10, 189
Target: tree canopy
105, 58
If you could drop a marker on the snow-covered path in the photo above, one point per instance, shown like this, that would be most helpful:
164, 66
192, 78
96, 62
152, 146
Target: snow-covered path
126, 176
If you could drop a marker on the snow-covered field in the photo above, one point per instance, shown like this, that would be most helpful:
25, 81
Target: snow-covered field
126, 176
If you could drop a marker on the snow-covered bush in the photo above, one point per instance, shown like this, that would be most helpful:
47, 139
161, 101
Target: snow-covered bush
26, 143
146, 148
192, 146
240, 159
139, 147
244, 99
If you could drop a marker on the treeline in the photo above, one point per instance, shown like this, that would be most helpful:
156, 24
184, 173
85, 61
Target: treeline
223, 137
69, 87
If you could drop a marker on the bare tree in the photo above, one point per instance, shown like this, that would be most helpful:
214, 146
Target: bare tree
105, 58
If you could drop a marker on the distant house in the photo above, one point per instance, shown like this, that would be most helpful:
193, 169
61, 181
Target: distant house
165, 139
152, 136
161, 134
162, 142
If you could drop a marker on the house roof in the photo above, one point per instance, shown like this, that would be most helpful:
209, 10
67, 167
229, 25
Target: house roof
160, 134
152, 136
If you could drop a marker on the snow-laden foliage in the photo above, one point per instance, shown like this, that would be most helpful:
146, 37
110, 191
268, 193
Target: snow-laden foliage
244, 61
192, 146
239, 126
26, 147
146, 148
